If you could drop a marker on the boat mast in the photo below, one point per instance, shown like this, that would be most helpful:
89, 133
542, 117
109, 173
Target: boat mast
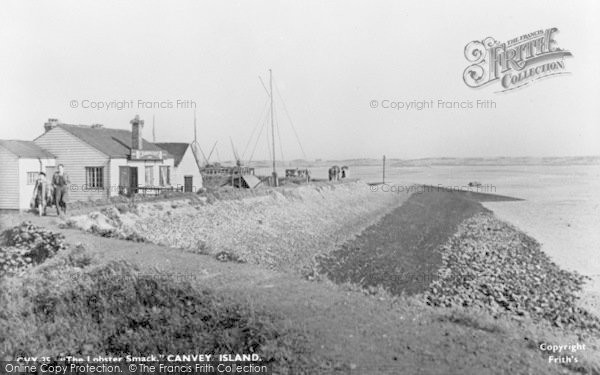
195, 132
275, 182
153, 131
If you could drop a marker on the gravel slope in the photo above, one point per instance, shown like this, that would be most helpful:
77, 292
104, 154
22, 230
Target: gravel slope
283, 229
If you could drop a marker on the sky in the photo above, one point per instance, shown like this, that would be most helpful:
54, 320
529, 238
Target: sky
330, 61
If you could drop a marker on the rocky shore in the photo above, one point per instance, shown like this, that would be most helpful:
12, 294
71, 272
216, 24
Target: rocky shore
491, 265
450, 251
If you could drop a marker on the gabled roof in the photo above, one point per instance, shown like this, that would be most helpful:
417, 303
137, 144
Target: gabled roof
177, 149
115, 143
26, 149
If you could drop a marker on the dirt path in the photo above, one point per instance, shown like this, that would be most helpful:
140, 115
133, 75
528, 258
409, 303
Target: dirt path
362, 334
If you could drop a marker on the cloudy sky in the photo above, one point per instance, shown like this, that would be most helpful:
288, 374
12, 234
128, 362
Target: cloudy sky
330, 60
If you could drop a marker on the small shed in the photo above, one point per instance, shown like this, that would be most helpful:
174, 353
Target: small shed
21, 162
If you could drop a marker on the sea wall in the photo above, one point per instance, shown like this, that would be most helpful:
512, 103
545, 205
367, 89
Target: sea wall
282, 229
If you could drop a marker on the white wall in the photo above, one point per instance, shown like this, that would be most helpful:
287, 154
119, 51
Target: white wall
75, 155
9, 180
141, 166
187, 167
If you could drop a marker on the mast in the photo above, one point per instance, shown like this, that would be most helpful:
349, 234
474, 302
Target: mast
196, 150
275, 182
195, 131
153, 131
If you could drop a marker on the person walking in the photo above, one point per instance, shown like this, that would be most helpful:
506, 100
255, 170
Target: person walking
41, 194
60, 183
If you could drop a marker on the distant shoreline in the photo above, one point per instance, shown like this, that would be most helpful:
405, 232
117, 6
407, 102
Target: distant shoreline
442, 162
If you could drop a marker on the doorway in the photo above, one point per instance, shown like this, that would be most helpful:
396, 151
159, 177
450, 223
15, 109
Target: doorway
128, 180
188, 184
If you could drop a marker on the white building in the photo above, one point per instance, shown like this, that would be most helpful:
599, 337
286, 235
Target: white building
20, 164
100, 162
104, 162
186, 174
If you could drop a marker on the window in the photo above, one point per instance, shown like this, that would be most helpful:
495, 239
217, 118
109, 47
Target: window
149, 175
165, 175
94, 177
31, 177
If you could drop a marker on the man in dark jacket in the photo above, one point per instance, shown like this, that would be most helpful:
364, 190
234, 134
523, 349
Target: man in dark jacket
60, 183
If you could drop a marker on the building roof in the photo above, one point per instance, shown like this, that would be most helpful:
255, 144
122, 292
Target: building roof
115, 143
26, 149
177, 149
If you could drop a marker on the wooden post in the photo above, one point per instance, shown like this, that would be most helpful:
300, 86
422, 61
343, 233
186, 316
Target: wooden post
384, 169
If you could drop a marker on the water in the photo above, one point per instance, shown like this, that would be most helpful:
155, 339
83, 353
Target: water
561, 207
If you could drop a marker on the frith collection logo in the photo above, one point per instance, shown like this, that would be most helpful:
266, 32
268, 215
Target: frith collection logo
515, 63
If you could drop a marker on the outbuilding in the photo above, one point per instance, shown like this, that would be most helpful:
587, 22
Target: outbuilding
20, 164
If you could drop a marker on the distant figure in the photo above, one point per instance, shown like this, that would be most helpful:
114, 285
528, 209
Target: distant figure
60, 184
42, 194
334, 173
344, 171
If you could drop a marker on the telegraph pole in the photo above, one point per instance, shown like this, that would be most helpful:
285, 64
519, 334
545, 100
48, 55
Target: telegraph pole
384, 169
275, 182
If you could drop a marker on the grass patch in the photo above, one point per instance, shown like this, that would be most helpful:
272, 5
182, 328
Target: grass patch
587, 360
481, 321
70, 308
532, 336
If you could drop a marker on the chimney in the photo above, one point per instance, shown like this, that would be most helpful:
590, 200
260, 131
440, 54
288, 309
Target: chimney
52, 122
136, 133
